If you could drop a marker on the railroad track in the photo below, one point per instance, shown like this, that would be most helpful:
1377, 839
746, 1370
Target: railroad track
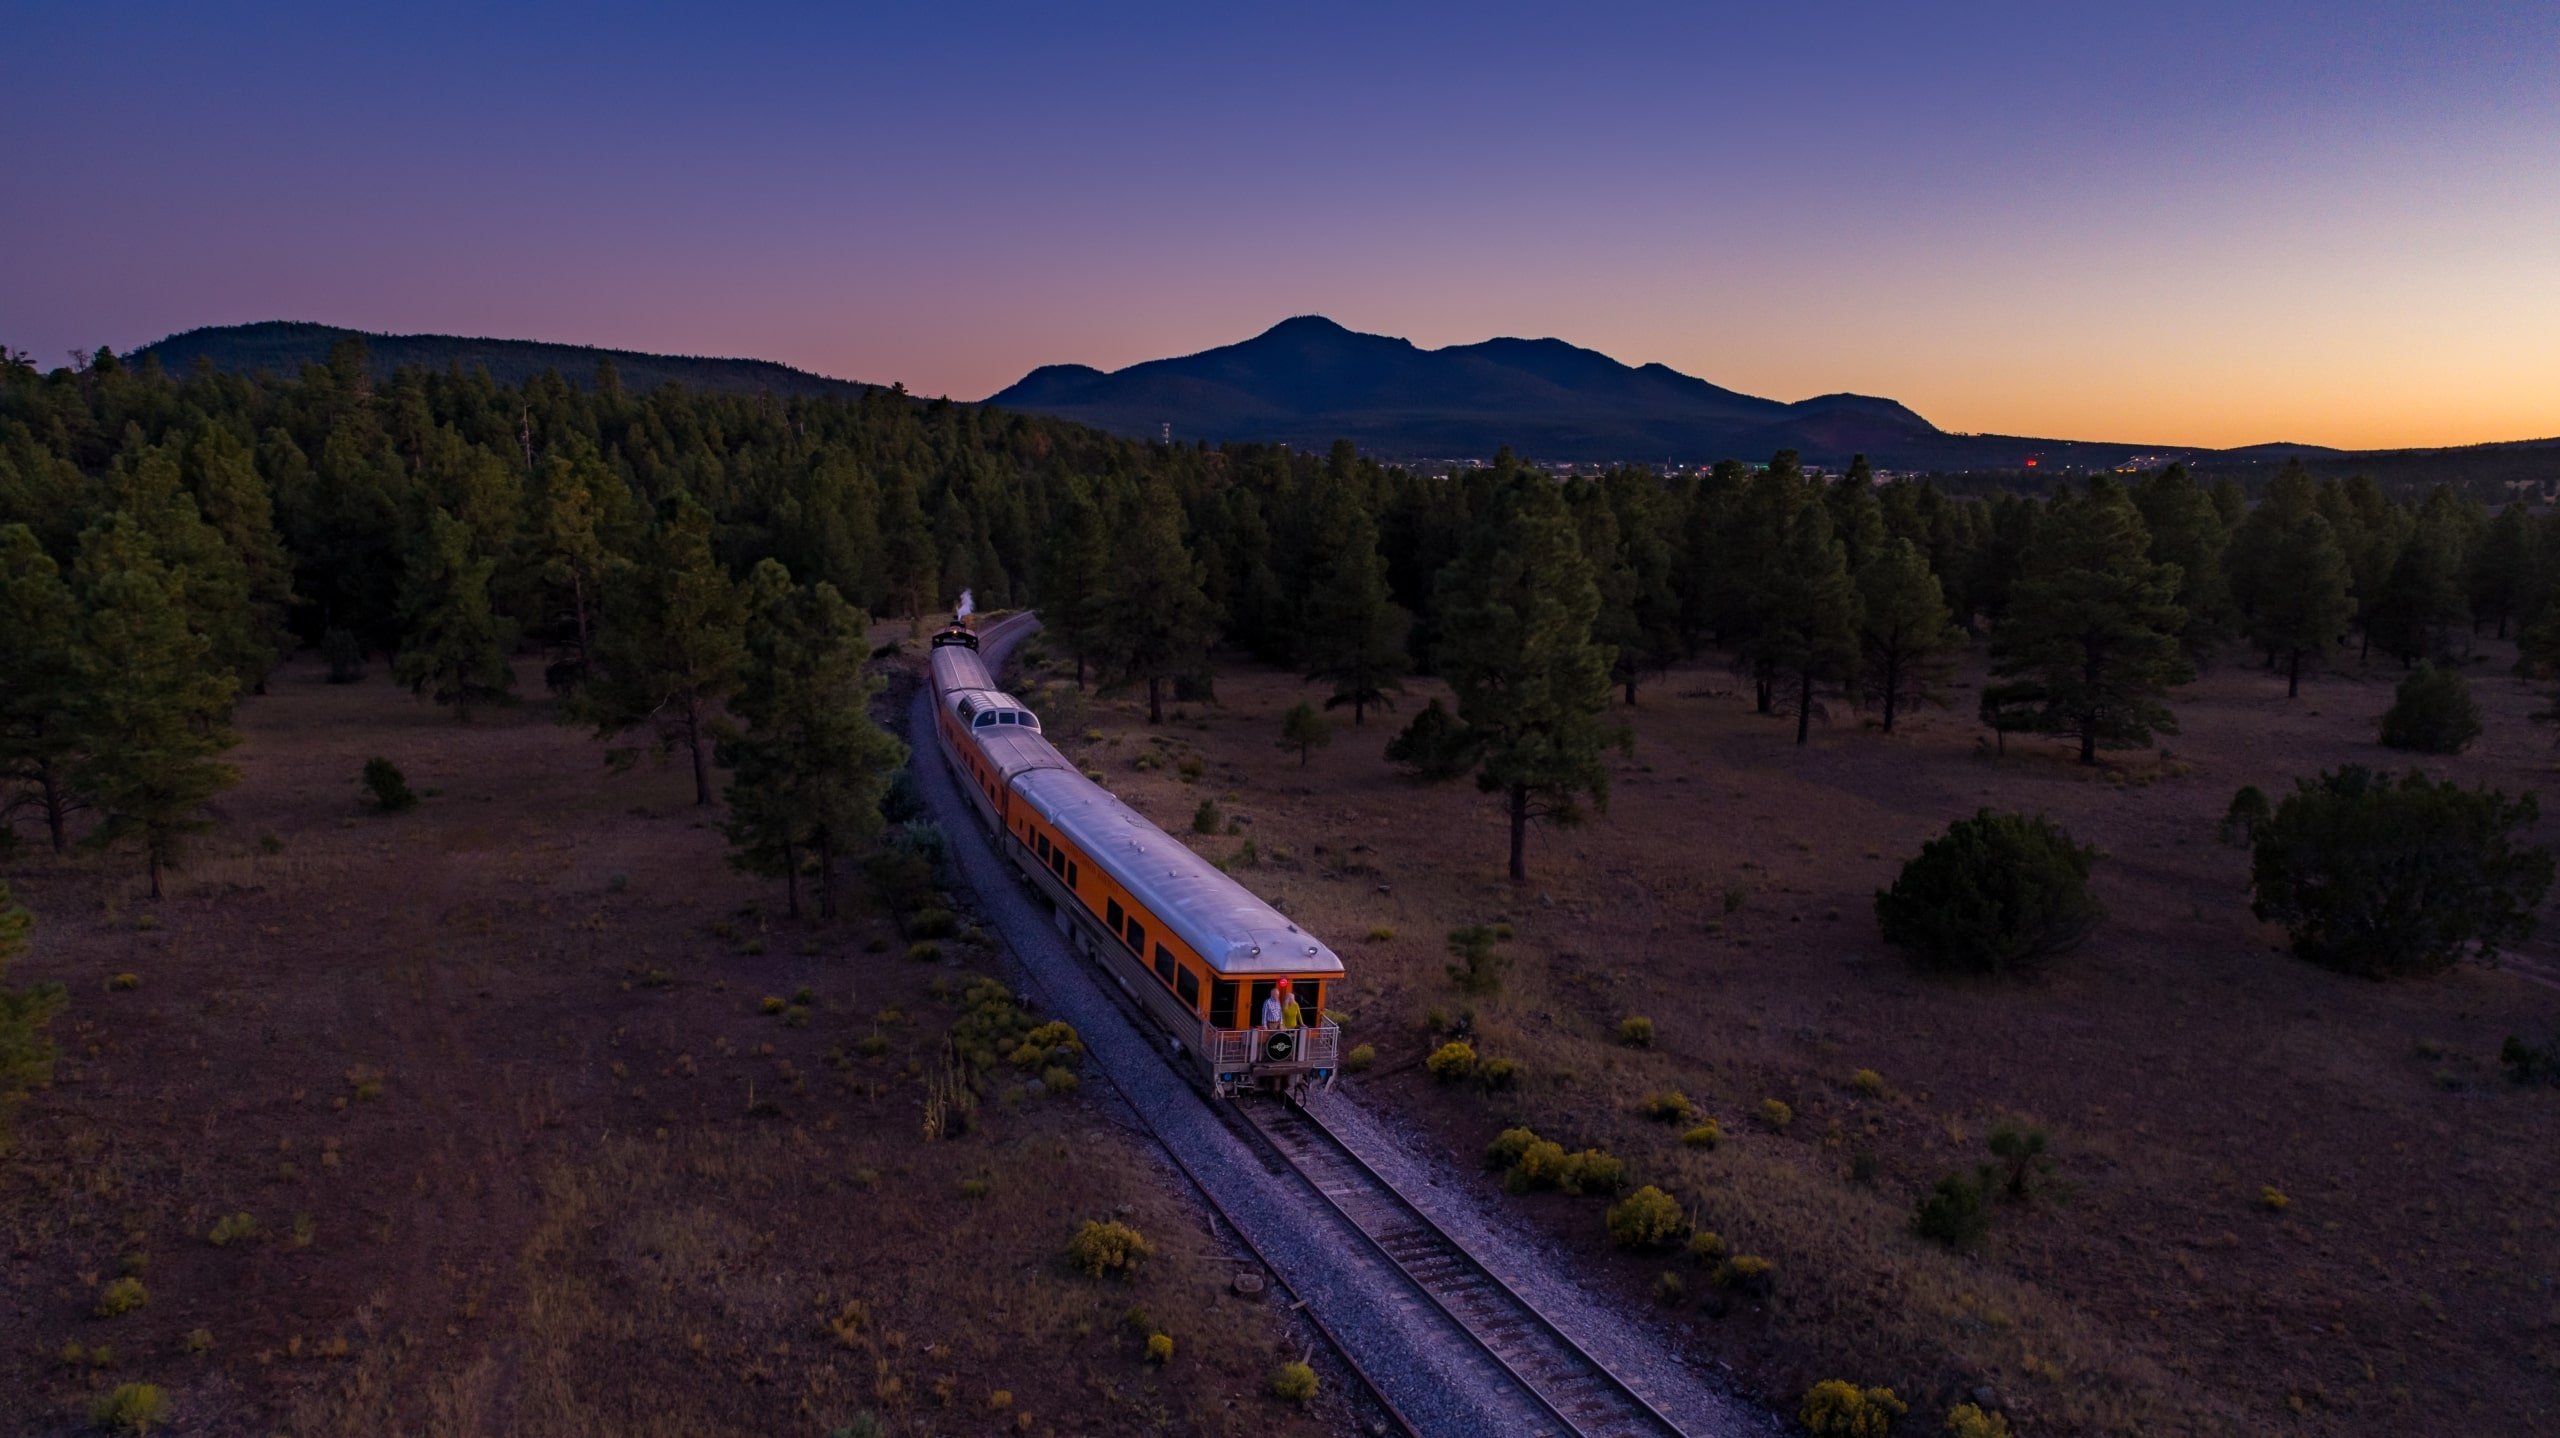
1582, 1397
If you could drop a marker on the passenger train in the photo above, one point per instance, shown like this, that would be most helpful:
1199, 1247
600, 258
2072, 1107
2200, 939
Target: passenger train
1197, 950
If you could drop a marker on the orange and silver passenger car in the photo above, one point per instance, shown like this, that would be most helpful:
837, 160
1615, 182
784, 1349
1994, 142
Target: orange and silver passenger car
1197, 950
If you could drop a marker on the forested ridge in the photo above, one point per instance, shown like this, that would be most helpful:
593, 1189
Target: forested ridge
697, 567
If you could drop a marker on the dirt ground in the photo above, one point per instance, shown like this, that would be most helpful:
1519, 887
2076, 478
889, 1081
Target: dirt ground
2182, 1062
496, 1083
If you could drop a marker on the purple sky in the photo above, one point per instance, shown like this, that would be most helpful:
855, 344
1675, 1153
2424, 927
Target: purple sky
2336, 223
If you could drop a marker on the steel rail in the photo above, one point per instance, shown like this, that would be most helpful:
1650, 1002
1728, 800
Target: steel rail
1350, 1360
1441, 1267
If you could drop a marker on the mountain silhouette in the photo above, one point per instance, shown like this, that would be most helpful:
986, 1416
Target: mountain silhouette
1309, 381
283, 347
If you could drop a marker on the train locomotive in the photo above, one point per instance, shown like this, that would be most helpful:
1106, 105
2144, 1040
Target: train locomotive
1198, 951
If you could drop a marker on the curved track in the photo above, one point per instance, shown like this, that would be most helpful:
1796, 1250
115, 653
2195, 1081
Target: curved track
1440, 1342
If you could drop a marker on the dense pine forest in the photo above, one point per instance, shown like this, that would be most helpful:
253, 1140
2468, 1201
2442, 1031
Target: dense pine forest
697, 568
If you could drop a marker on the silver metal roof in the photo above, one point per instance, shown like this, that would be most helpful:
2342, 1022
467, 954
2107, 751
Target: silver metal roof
1232, 929
958, 667
1018, 751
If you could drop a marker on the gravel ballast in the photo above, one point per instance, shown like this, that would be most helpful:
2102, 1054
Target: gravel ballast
1439, 1380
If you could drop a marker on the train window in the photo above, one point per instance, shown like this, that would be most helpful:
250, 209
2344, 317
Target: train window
1187, 984
1058, 861
1222, 1004
1111, 913
1041, 841
1310, 999
1137, 936
1261, 990
1072, 880
1164, 963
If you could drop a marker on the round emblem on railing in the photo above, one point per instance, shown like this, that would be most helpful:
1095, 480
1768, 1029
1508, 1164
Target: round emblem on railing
1280, 1047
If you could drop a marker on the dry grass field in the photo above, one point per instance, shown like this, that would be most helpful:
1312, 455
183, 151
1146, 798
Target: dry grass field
522, 1150
2182, 1062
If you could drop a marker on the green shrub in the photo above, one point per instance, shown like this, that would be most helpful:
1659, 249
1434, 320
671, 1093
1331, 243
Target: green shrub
1452, 1061
1207, 819
1435, 746
1541, 1165
130, 1408
1953, 1213
1835, 1409
197, 1343
1304, 730
772, 1004
1636, 1032
2274, 1199
1995, 893
1293, 1382
926, 952
1159, 1348
1744, 1273
1646, 1218
1592, 1171
2248, 814
1507, 1146
1968, 1421
1868, 1082
1775, 1116
2386, 879
1058, 1080
2431, 713
1705, 1135
237, 1228
1191, 767
1666, 1106
2528, 1063
120, 1297
1108, 1246
1669, 1288
1360, 1058
388, 786
2020, 1149
1381, 934
1498, 1074
1707, 1247
975, 1187
1479, 969
932, 924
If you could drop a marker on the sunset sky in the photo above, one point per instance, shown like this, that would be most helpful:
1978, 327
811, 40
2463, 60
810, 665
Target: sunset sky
2196, 224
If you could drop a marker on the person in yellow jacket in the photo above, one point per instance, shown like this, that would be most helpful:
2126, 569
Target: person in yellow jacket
1290, 1015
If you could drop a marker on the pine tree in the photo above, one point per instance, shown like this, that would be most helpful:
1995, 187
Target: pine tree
26, 1055
810, 768
1626, 530
1353, 634
235, 501
907, 544
2187, 531
2422, 607
1905, 638
1532, 687
2307, 604
1077, 566
148, 701
40, 740
456, 648
1751, 543
1157, 623
1809, 616
671, 641
2094, 621
1304, 730
208, 579
573, 560
2501, 571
